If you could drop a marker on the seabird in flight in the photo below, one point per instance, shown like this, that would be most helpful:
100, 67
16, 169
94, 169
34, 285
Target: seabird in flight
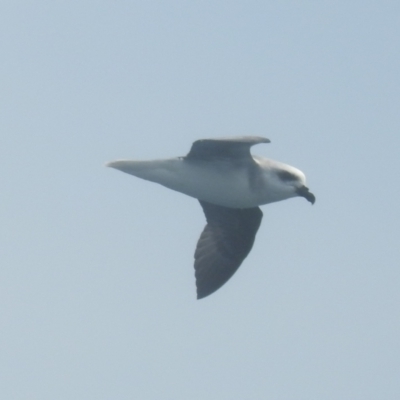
230, 184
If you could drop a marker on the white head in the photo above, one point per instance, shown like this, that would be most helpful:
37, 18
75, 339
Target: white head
283, 181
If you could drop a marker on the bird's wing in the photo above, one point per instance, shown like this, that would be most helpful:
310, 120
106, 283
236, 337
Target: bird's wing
224, 148
223, 245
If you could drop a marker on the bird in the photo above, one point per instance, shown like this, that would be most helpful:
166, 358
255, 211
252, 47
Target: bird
230, 183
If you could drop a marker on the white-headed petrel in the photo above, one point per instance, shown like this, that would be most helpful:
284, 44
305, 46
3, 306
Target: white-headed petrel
230, 184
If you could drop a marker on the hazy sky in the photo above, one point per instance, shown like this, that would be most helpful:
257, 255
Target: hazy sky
97, 286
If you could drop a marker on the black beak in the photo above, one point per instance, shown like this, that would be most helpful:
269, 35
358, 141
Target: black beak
304, 192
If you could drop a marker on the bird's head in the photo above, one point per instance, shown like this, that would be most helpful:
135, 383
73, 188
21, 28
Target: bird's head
295, 179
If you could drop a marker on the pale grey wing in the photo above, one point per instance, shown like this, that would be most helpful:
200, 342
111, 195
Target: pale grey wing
224, 148
223, 245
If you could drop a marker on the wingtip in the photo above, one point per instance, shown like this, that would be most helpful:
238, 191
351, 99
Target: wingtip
201, 293
115, 164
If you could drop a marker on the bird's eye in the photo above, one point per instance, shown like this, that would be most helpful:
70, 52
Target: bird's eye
287, 176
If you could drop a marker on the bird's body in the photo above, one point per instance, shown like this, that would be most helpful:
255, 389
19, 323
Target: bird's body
230, 184
217, 182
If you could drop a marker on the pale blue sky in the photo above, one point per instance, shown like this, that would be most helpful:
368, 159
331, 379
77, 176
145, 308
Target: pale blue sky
97, 287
